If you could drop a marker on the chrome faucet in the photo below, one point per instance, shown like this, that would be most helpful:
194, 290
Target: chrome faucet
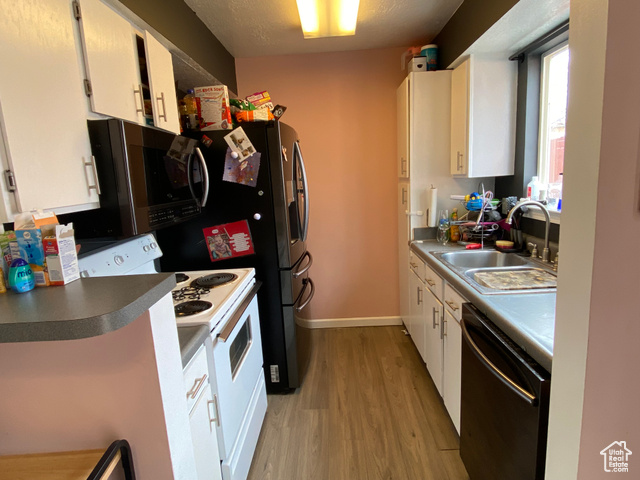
545, 252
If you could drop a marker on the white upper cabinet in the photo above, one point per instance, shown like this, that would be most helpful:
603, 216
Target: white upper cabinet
44, 143
483, 110
162, 85
110, 58
402, 98
113, 63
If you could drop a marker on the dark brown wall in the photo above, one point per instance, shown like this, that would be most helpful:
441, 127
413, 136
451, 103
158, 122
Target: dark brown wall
179, 24
471, 20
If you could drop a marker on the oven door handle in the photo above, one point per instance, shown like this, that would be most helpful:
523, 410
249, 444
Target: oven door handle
307, 266
205, 173
499, 374
307, 281
237, 316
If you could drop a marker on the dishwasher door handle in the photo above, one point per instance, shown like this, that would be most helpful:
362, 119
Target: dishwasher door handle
517, 389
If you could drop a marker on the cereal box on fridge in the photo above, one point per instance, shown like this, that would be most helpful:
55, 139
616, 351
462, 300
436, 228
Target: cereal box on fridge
214, 107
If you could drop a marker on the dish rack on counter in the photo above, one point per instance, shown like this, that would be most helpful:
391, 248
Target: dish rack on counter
477, 230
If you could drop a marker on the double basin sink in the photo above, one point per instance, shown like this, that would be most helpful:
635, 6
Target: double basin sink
494, 272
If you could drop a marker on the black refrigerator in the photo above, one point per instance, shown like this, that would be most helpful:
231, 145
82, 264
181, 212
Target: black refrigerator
276, 210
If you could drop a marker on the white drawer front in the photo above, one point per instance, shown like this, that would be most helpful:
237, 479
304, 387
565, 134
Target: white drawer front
453, 302
434, 282
196, 376
417, 265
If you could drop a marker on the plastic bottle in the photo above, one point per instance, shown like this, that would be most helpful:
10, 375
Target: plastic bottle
189, 118
533, 189
21, 277
455, 230
3, 288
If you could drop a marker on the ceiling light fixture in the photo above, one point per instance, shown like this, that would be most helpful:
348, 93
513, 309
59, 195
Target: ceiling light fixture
328, 18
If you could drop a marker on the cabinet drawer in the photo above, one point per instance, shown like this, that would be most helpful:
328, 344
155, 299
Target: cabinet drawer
417, 265
434, 282
453, 301
196, 376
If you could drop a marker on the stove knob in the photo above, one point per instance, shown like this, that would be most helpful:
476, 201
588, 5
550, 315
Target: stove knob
153, 245
118, 259
146, 248
257, 216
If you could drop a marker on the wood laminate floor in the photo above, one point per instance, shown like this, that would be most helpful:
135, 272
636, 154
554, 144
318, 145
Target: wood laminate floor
367, 410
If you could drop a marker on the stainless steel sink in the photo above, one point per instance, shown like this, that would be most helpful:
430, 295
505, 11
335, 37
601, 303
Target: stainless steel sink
483, 259
492, 272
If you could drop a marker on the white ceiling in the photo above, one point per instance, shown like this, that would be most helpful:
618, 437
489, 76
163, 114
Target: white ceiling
254, 28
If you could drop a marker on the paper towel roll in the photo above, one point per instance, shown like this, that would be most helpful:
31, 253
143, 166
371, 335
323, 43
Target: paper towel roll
432, 206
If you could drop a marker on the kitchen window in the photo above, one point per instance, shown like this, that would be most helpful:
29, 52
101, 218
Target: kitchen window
554, 83
540, 118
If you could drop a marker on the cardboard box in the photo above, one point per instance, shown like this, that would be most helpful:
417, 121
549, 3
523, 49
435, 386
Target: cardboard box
214, 107
61, 256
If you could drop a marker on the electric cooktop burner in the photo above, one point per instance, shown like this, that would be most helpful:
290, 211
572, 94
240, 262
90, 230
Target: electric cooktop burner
191, 307
181, 277
214, 280
189, 293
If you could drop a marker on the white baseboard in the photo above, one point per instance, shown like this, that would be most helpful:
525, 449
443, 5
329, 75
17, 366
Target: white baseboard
350, 322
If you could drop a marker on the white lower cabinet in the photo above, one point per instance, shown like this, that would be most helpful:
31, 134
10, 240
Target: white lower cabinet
204, 437
433, 356
202, 417
434, 326
416, 325
452, 367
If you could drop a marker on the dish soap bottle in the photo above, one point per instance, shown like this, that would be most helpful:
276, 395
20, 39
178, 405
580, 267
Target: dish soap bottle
455, 230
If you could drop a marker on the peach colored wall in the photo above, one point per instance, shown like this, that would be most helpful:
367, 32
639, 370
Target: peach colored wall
612, 385
343, 106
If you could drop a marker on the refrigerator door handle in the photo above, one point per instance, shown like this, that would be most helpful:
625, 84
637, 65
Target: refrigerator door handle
517, 389
307, 281
205, 173
305, 187
306, 267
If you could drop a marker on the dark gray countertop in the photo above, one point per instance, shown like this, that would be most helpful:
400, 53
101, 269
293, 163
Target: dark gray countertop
85, 308
190, 340
528, 318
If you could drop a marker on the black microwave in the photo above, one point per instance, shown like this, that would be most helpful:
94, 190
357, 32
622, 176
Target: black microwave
149, 179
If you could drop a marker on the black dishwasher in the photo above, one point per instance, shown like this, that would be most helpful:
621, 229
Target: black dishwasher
504, 406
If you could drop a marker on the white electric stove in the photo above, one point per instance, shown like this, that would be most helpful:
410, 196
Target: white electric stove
225, 300
206, 296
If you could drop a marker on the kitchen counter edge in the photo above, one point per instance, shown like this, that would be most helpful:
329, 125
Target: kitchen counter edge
528, 319
88, 307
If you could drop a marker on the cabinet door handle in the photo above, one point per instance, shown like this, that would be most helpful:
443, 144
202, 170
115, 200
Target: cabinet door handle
419, 296
213, 412
452, 305
94, 172
403, 162
443, 327
404, 193
139, 92
197, 385
164, 107
459, 163
430, 282
435, 313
